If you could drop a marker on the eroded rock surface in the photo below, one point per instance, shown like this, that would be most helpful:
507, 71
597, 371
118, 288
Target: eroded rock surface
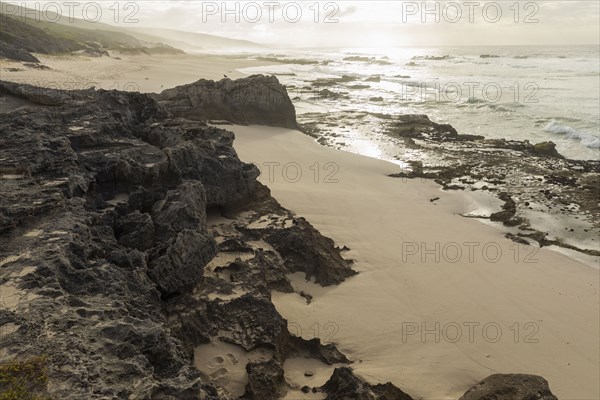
510, 387
108, 259
310, 255
343, 384
257, 99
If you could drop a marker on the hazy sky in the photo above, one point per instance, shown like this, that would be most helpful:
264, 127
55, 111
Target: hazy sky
367, 23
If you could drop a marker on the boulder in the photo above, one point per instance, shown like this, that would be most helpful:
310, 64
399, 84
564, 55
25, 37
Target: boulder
257, 99
546, 149
343, 384
510, 387
304, 249
266, 380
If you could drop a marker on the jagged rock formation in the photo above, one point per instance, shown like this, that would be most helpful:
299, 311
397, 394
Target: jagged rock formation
266, 380
256, 99
343, 384
108, 257
311, 254
510, 387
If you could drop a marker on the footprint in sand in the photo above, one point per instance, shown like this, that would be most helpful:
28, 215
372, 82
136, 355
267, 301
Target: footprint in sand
233, 359
218, 360
221, 372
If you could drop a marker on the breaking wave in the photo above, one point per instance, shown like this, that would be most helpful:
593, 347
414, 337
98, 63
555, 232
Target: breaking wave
586, 139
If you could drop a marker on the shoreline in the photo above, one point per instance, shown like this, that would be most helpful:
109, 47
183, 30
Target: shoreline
154, 73
373, 214
394, 212
539, 196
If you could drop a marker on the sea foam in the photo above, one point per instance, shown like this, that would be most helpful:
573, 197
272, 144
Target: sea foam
586, 139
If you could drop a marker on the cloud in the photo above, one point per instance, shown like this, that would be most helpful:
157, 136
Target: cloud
356, 23
346, 12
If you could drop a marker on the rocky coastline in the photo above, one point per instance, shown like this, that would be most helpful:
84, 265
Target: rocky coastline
131, 233
527, 180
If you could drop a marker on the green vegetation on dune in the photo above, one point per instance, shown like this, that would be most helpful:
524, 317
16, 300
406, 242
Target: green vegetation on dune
21, 37
18, 40
24, 379
153, 40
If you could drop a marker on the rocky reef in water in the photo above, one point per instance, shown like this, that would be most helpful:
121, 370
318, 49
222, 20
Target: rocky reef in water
531, 181
130, 236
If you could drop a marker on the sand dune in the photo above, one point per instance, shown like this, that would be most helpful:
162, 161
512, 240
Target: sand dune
187, 41
190, 41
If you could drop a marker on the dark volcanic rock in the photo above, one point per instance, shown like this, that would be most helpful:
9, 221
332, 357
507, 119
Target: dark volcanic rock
313, 348
250, 321
535, 176
305, 250
87, 265
546, 149
108, 261
135, 230
266, 381
183, 208
228, 182
37, 95
180, 265
509, 209
331, 95
510, 387
417, 126
344, 385
257, 99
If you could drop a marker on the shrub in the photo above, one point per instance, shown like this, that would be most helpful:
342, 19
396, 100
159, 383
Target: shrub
24, 379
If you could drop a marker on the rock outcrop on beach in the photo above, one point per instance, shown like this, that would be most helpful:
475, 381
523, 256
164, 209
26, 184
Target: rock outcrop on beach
343, 384
117, 261
510, 387
257, 99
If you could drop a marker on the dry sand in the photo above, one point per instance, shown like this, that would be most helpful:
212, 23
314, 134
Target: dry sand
225, 364
553, 299
142, 73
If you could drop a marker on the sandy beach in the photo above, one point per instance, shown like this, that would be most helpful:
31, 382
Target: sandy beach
440, 301
380, 317
143, 73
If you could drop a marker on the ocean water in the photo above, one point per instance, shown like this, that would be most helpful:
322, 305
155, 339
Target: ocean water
535, 93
